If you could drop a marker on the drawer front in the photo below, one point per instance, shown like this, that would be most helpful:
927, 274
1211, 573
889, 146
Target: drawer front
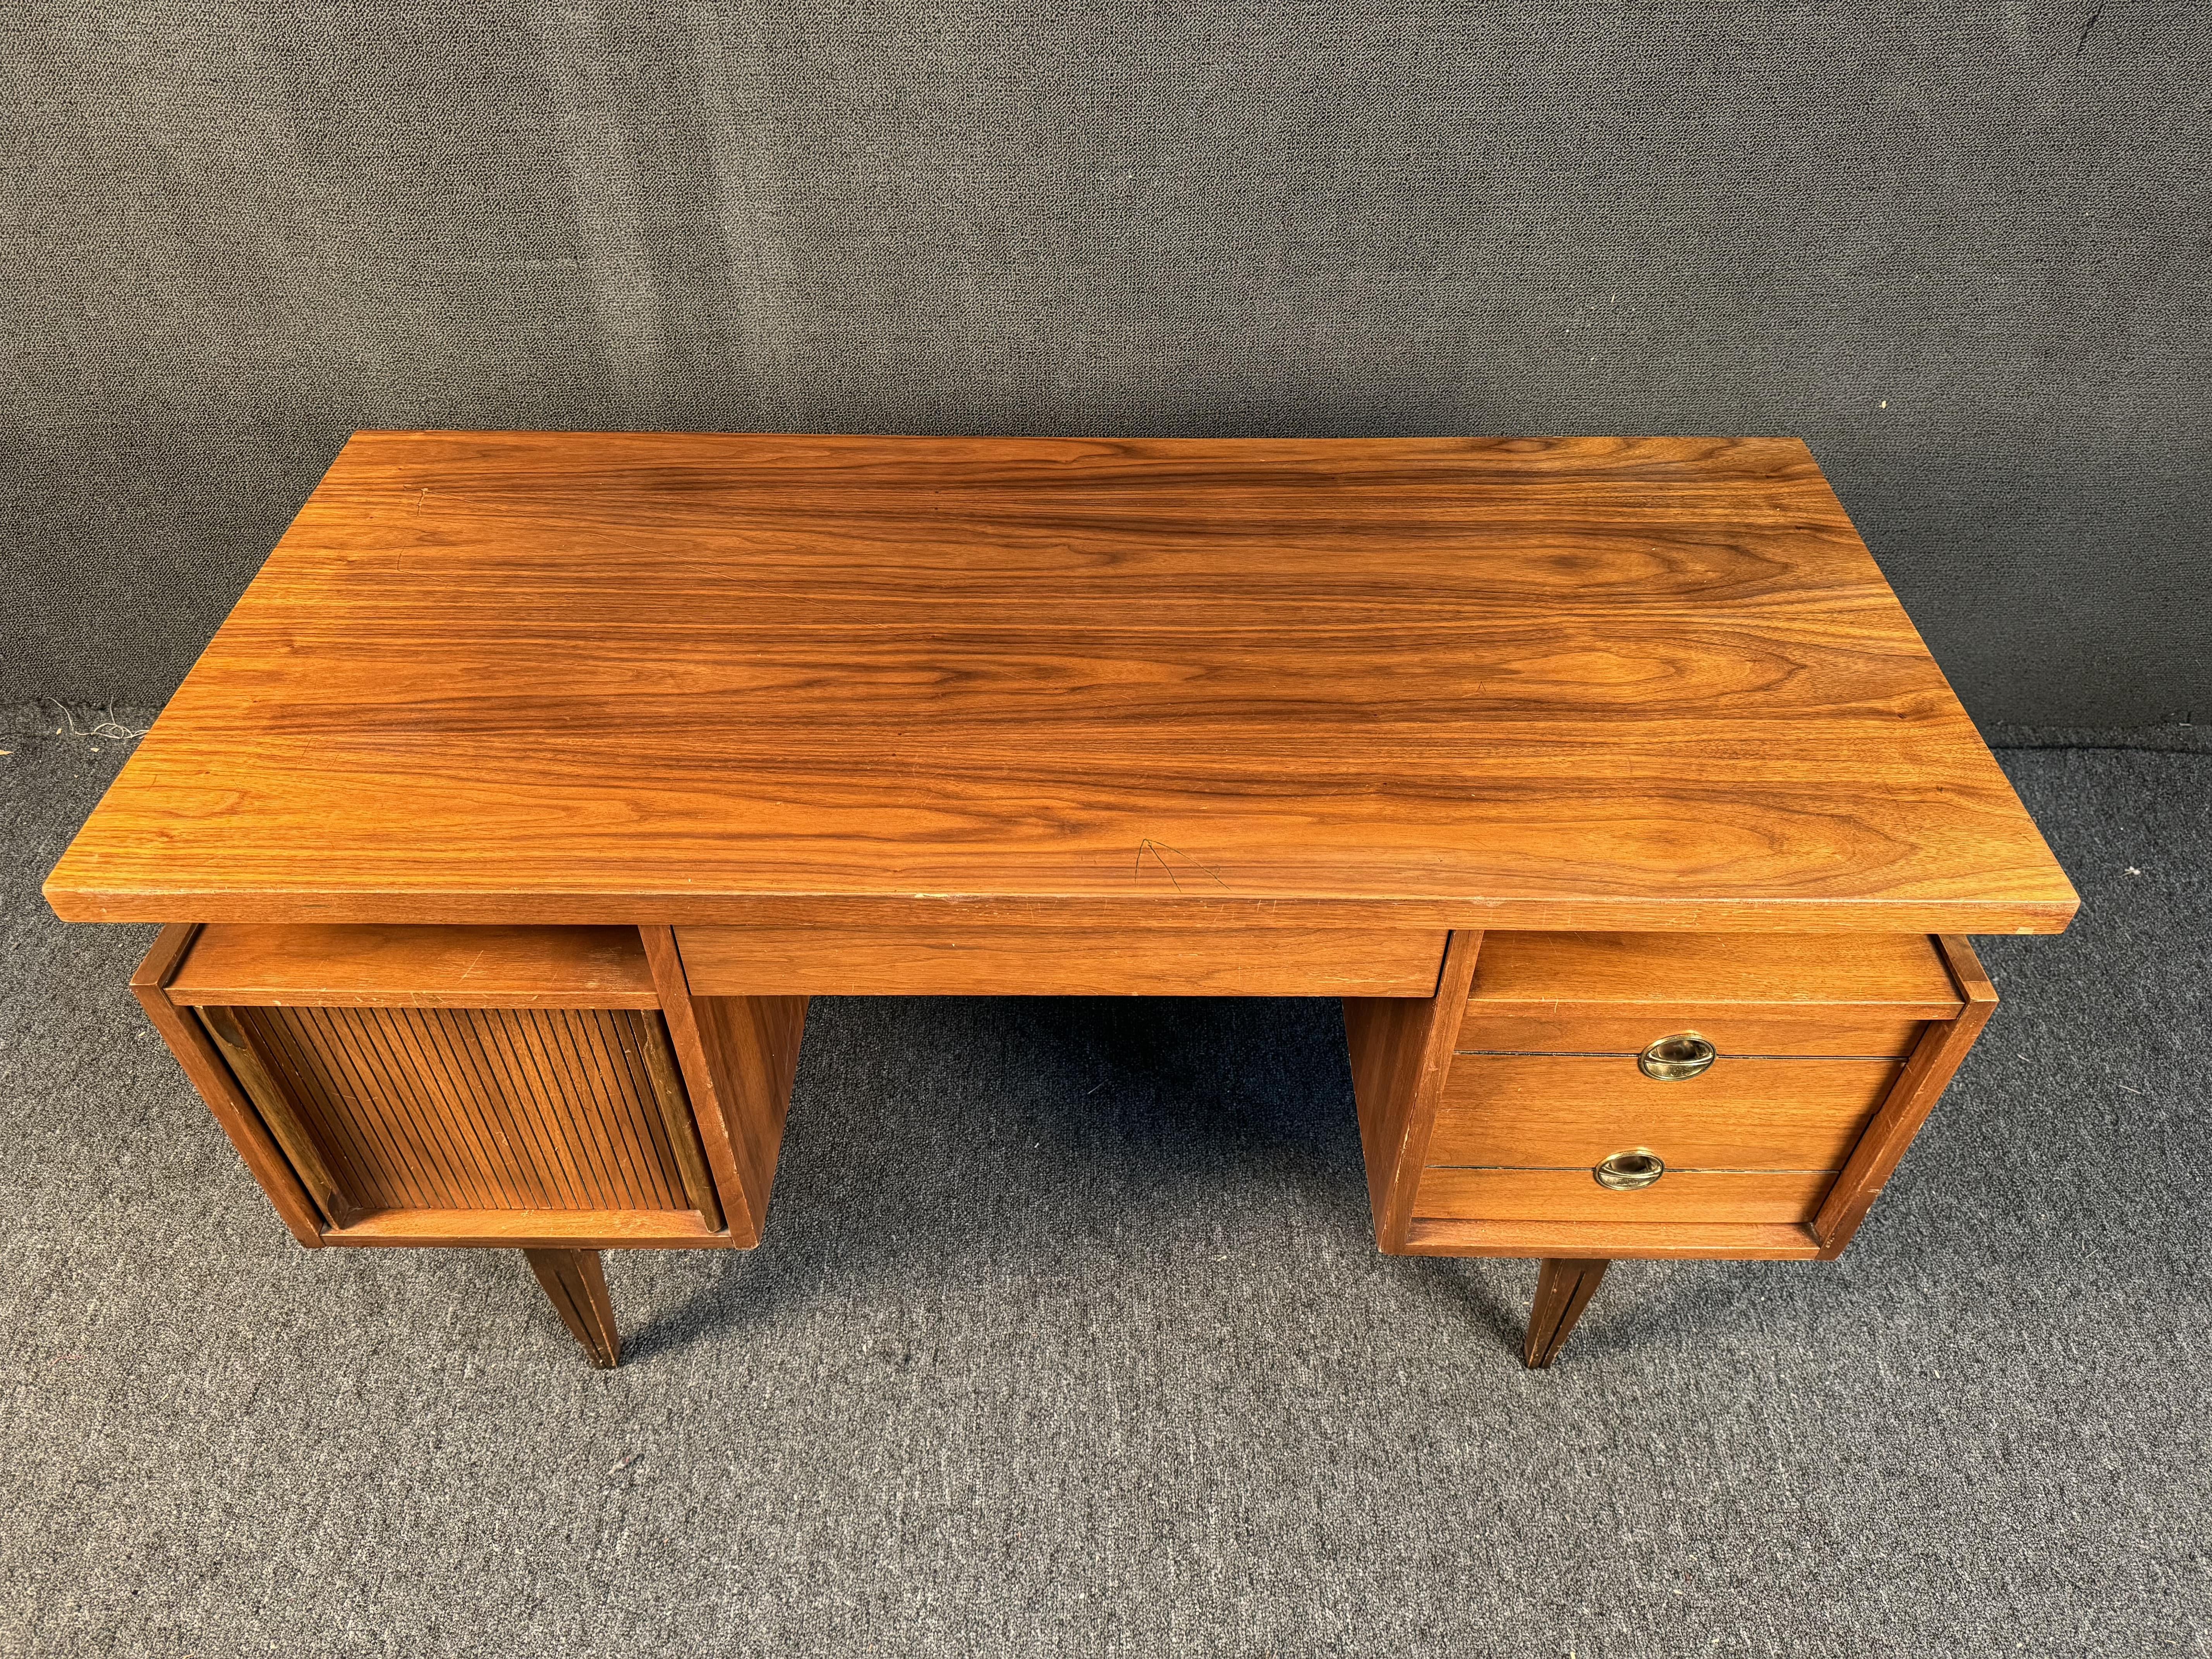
1555, 1111
1884, 975
961, 958
1572, 1195
1568, 1029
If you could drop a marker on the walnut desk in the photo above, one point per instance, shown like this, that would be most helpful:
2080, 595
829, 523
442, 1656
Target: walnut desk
539, 778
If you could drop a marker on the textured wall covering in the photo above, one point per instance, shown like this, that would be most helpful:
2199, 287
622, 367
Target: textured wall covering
1961, 248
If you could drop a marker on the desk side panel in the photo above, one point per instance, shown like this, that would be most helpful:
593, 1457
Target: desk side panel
188, 1040
1400, 1050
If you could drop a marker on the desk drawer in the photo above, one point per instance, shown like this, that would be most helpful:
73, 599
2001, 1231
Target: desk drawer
961, 955
1807, 994
1751, 1196
1554, 1111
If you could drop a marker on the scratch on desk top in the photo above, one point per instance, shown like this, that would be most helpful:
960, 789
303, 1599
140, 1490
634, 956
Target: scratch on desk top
1159, 849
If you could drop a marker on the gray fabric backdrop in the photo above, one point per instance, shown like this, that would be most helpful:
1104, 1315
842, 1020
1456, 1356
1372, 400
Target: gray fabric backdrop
1961, 248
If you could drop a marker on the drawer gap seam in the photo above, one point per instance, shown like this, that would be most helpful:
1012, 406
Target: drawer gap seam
1672, 1168
1630, 1054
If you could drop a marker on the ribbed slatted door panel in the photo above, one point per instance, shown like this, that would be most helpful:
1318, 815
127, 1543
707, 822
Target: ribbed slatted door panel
476, 1108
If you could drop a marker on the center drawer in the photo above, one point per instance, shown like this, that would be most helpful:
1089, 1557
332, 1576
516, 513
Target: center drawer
1014, 949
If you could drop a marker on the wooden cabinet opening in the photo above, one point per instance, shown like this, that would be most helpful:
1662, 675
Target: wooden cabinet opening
535, 1086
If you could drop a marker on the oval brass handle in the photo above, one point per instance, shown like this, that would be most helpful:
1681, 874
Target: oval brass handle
1670, 1060
1628, 1172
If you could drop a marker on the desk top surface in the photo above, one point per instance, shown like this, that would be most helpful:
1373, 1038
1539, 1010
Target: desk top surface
1558, 683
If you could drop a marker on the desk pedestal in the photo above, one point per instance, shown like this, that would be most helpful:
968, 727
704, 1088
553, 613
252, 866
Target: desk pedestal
1586, 1097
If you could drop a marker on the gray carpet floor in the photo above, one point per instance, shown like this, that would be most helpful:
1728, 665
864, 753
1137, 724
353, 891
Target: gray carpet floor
1069, 1337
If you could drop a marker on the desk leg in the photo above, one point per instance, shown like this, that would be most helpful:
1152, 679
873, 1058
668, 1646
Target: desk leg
578, 1288
1564, 1288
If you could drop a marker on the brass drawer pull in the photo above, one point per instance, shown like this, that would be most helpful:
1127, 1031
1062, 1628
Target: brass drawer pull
1628, 1172
1672, 1058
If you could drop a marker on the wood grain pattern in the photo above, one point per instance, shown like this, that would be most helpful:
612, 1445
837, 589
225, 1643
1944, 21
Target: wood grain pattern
1571, 1195
188, 1040
1926, 1075
957, 957
240, 964
576, 1284
660, 678
1654, 1241
1400, 1050
1674, 974
1550, 1111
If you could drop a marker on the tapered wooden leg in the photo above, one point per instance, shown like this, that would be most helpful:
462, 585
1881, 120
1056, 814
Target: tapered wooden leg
578, 1288
1563, 1287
